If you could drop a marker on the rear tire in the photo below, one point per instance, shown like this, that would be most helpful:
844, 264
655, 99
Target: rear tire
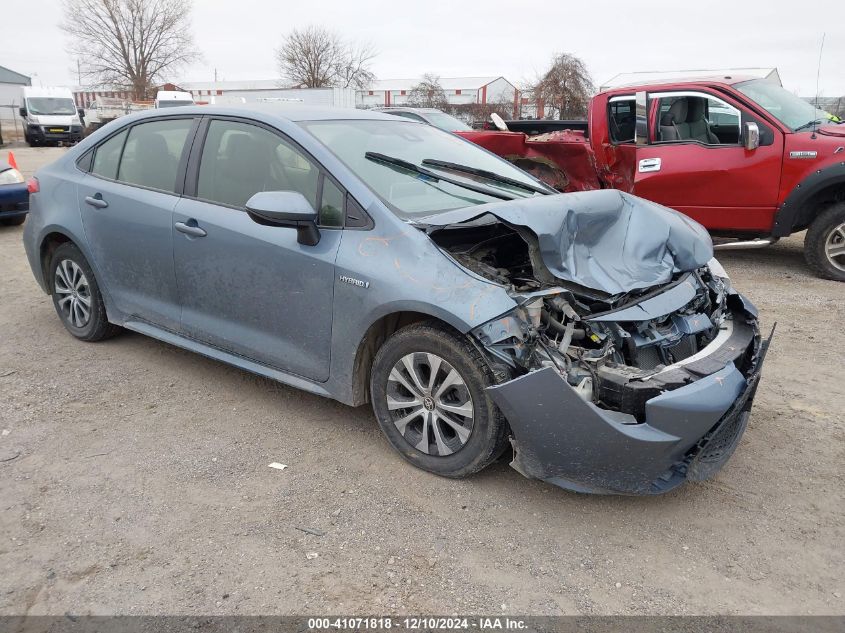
76, 295
449, 426
824, 244
13, 221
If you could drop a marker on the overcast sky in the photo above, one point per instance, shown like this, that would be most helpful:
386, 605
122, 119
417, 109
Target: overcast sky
496, 37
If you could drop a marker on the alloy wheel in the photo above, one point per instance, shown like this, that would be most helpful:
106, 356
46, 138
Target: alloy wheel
74, 300
430, 404
834, 247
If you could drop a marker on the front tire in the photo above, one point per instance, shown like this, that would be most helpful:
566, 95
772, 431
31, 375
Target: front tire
427, 390
76, 295
824, 244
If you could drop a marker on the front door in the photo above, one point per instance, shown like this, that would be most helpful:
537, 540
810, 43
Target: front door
127, 201
246, 288
696, 163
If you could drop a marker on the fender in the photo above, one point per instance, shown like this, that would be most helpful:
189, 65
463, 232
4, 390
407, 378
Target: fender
113, 315
793, 214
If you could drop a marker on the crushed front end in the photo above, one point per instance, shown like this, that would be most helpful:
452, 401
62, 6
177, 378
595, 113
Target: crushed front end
632, 392
634, 400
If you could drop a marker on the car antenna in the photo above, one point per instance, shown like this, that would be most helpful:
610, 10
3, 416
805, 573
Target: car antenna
818, 74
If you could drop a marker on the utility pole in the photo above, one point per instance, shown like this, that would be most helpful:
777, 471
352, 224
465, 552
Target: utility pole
78, 74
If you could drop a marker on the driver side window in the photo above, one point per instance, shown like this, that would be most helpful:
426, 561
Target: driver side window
240, 160
687, 117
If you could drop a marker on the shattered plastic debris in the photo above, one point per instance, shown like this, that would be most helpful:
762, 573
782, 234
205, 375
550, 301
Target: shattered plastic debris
311, 555
277, 466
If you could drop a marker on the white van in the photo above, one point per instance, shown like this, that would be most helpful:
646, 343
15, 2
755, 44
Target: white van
50, 116
173, 98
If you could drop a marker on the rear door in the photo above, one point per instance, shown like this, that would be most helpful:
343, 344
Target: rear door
127, 201
246, 288
717, 181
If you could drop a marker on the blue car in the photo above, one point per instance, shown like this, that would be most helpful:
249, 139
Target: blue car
14, 196
370, 259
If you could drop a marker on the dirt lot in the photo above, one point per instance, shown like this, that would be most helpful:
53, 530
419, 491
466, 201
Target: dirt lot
141, 486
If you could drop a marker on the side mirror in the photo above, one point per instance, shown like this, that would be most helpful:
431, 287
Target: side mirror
80, 113
750, 135
22, 112
285, 208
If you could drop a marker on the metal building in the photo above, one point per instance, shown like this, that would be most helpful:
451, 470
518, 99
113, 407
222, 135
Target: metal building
11, 85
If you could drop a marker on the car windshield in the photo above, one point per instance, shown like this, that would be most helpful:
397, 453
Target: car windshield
446, 122
790, 110
50, 105
173, 104
409, 193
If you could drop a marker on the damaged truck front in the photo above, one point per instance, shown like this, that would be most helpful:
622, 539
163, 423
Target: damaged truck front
633, 363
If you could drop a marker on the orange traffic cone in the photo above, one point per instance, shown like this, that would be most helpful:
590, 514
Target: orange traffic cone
12, 162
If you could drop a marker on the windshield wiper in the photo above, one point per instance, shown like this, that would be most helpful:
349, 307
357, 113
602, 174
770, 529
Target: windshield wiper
408, 166
489, 175
809, 124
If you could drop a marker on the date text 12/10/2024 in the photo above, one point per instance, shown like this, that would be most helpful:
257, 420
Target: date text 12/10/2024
421, 623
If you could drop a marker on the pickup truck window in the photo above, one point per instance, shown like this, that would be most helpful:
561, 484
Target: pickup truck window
622, 118
696, 117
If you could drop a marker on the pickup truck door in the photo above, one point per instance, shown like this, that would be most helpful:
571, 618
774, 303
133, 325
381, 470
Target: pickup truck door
694, 161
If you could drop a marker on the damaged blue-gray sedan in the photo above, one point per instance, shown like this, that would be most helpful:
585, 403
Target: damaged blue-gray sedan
371, 259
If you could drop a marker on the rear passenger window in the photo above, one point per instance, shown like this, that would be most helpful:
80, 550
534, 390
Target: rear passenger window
240, 160
152, 153
622, 119
107, 157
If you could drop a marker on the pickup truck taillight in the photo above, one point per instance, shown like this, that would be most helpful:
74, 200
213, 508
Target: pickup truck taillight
32, 185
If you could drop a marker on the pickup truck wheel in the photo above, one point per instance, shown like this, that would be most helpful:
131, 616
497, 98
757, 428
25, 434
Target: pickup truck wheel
76, 295
427, 389
12, 221
824, 245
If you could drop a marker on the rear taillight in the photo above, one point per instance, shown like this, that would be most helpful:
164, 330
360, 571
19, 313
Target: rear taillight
32, 185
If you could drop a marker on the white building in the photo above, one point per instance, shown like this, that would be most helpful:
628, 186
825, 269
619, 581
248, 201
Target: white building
459, 91
11, 94
256, 89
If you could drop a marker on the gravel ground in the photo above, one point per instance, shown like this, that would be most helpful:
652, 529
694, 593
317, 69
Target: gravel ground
141, 486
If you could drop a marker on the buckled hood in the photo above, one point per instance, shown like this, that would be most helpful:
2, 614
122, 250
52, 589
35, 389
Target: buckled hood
605, 240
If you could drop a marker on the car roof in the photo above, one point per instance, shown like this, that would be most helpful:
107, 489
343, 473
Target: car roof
404, 109
723, 80
284, 110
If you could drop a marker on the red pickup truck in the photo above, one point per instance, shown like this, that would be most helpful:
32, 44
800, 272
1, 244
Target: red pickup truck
744, 157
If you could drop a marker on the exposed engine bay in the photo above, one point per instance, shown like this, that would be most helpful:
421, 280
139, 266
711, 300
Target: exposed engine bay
615, 350
627, 362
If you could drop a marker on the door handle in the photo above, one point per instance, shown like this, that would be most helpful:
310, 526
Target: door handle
649, 164
96, 201
190, 228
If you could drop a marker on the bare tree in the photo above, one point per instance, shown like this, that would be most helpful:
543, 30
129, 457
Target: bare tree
129, 44
315, 57
428, 93
565, 88
354, 69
